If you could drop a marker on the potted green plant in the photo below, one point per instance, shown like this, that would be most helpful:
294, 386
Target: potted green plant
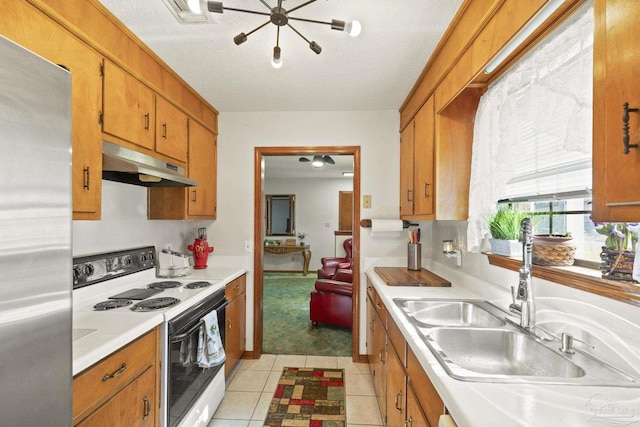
504, 225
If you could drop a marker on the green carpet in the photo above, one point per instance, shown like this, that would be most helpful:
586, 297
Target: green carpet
286, 325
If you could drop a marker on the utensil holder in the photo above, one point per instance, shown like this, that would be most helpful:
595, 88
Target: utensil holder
414, 256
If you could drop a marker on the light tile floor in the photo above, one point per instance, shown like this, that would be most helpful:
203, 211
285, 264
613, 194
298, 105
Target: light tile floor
253, 383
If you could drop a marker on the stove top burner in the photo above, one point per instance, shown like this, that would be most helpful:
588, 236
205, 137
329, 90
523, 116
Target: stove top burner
155, 304
114, 303
168, 284
197, 285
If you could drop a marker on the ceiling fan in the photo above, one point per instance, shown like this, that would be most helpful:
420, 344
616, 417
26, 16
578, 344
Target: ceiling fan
318, 161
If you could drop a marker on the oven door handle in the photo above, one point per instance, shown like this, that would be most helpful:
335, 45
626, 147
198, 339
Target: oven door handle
180, 337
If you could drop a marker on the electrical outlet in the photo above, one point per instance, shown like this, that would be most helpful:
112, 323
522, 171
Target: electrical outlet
366, 202
247, 246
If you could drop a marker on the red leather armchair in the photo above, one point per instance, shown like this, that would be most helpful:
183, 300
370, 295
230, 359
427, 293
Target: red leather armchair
331, 301
331, 264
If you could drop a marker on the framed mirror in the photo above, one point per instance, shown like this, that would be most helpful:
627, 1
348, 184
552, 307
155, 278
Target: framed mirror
281, 214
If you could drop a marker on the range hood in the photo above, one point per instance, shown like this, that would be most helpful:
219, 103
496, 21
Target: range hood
122, 164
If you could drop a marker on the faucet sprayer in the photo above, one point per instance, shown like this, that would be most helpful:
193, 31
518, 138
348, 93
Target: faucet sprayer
524, 294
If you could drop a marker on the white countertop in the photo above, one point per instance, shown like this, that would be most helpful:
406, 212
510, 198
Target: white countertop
113, 329
494, 404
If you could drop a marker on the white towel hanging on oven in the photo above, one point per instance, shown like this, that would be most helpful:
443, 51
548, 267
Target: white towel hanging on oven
210, 348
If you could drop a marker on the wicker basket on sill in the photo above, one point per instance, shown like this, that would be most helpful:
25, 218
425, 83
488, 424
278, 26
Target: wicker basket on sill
553, 250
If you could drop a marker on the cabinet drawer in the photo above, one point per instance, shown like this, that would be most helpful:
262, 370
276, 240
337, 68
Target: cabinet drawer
99, 383
235, 288
397, 340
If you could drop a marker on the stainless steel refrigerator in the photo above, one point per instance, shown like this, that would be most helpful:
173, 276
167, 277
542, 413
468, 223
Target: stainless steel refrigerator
35, 240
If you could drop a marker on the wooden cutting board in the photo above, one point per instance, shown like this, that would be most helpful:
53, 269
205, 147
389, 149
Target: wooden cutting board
401, 276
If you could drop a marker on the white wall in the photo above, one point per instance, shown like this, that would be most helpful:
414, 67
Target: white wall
316, 206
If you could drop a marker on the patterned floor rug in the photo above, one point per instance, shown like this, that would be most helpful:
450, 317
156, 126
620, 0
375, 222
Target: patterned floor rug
308, 397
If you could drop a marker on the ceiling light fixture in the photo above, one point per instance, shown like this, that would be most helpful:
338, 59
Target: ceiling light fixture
545, 12
280, 17
347, 173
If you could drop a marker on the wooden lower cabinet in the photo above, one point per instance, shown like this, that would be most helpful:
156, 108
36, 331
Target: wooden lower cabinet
404, 392
415, 416
122, 389
396, 389
378, 358
235, 329
133, 406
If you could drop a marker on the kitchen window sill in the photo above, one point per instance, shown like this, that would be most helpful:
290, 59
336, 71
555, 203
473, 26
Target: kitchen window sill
583, 278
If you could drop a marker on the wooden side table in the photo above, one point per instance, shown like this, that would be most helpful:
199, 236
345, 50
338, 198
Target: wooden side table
306, 253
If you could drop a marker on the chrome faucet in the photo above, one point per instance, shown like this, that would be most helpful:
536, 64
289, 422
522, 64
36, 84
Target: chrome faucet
523, 300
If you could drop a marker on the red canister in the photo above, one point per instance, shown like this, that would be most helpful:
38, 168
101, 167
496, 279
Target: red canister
201, 251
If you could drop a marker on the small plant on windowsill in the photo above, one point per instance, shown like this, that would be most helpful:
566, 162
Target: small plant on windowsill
301, 236
504, 226
618, 253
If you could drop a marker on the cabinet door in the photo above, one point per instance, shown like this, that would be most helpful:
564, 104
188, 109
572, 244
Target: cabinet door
396, 389
371, 318
128, 107
380, 364
135, 405
406, 170
235, 329
203, 170
424, 188
171, 130
616, 195
30, 28
415, 417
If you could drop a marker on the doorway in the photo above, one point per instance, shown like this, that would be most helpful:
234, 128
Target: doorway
259, 224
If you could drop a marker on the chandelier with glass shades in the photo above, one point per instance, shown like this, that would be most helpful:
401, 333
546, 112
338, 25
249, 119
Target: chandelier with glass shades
280, 17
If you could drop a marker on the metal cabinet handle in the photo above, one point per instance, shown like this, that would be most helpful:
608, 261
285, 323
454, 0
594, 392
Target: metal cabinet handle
147, 407
398, 397
195, 196
116, 373
229, 324
164, 130
625, 127
236, 287
409, 422
380, 356
426, 190
146, 121
408, 193
87, 174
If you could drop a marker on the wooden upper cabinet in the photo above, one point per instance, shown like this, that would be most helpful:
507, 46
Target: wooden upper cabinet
616, 193
202, 169
406, 170
128, 111
32, 29
171, 130
423, 160
417, 187
198, 202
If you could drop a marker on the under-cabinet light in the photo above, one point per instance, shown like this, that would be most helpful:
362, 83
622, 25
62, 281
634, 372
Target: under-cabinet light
532, 25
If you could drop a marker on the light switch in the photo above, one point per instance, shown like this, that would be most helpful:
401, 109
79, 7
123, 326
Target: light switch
366, 201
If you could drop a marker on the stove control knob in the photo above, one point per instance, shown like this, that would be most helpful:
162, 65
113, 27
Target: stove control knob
88, 269
142, 258
126, 261
76, 273
150, 256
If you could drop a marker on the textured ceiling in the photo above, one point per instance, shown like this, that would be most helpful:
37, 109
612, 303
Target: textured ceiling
374, 71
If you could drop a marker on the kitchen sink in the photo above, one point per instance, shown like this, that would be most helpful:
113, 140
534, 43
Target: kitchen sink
433, 312
498, 352
473, 340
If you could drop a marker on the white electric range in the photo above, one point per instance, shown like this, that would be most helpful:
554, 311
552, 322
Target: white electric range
98, 333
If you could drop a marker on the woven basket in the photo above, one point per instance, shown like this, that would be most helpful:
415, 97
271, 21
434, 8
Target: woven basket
549, 254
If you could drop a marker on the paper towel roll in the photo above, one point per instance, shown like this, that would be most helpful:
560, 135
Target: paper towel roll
384, 225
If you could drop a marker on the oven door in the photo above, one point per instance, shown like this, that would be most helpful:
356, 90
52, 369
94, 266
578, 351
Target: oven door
186, 381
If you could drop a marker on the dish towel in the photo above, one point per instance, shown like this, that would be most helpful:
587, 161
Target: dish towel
210, 348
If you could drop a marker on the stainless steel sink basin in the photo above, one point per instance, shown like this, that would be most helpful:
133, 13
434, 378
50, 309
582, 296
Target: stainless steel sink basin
433, 313
473, 342
498, 352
